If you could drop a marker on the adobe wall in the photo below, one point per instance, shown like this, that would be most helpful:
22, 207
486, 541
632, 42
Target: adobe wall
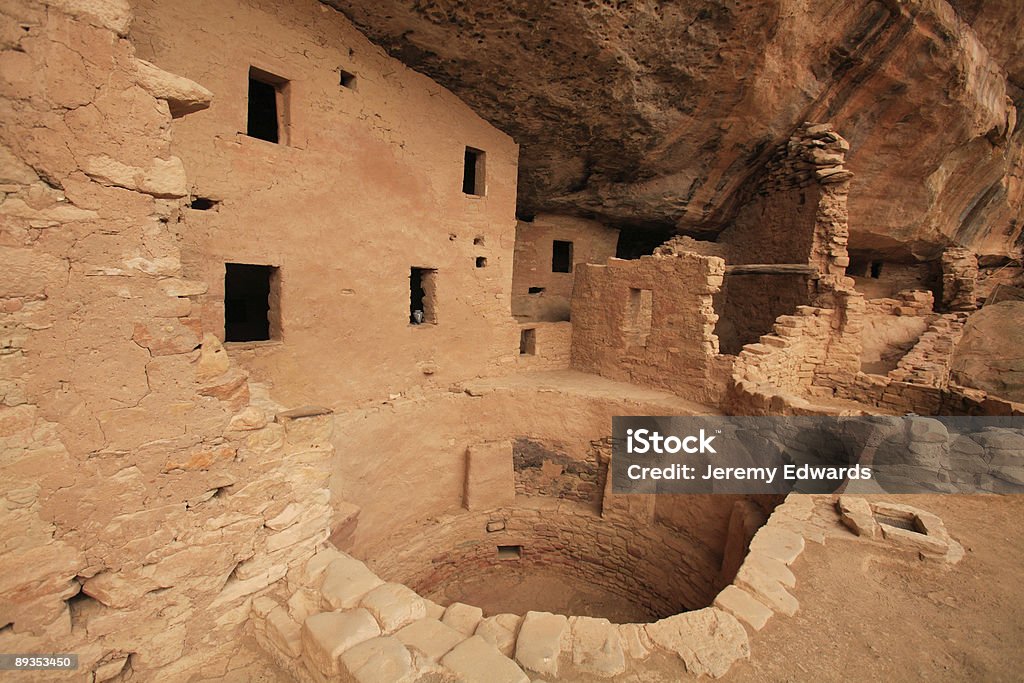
592, 243
148, 487
368, 187
662, 338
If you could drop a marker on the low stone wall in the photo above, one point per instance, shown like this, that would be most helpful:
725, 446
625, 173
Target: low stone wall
550, 351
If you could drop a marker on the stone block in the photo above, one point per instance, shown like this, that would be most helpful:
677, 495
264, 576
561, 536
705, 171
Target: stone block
597, 647
463, 618
708, 640
540, 641
781, 544
477, 661
856, 514
743, 606
326, 636
394, 605
490, 479
379, 660
501, 631
430, 637
284, 632
346, 581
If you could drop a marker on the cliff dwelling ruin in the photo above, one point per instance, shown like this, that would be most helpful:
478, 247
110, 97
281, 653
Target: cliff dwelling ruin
316, 315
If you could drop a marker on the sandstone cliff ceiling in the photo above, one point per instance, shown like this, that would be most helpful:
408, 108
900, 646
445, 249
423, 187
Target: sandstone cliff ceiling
652, 113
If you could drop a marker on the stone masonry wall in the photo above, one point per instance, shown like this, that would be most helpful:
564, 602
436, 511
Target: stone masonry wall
650, 321
148, 488
591, 241
551, 342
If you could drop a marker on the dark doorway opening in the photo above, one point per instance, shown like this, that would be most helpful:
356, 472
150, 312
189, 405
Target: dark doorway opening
561, 257
473, 172
266, 105
422, 295
528, 342
248, 301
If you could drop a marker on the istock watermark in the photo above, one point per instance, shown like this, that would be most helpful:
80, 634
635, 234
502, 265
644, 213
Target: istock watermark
773, 455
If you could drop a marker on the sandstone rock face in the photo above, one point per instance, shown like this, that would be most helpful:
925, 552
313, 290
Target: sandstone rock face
990, 355
653, 114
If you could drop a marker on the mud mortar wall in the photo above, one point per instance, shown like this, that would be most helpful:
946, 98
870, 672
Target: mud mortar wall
146, 492
368, 186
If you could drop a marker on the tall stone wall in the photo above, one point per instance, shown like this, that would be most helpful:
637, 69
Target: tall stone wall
650, 321
367, 186
148, 488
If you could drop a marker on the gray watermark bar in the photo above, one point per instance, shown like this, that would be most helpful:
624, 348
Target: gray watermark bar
38, 662
819, 454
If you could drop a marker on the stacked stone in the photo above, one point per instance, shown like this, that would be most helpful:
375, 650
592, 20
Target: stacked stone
959, 279
908, 303
929, 361
814, 154
340, 620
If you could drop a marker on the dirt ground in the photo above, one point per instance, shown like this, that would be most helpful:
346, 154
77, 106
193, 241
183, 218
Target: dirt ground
869, 613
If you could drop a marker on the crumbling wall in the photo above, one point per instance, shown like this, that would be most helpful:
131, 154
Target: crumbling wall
797, 215
148, 488
959, 279
368, 185
650, 321
591, 241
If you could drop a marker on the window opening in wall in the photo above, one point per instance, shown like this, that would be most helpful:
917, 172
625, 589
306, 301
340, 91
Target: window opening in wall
876, 269
473, 179
510, 552
481, 261
422, 295
638, 316
267, 106
347, 79
250, 302
528, 342
535, 290
561, 257
478, 240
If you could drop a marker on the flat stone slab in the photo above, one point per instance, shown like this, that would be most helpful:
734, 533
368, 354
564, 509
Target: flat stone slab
478, 661
597, 647
326, 636
501, 631
463, 618
430, 637
744, 607
769, 567
856, 514
379, 660
540, 641
346, 581
635, 641
781, 544
767, 590
394, 605
708, 640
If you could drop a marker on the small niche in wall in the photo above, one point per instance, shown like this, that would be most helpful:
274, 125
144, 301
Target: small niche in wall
876, 269
346, 79
250, 302
422, 296
561, 256
478, 240
268, 106
473, 172
203, 204
535, 290
510, 552
639, 316
481, 261
528, 342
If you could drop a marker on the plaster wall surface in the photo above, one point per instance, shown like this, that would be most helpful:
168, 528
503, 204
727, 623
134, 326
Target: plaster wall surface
591, 242
368, 186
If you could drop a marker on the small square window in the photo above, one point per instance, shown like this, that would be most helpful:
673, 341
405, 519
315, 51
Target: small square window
481, 261
346, 79
473, 172
561, 257
535, 290
251, 300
